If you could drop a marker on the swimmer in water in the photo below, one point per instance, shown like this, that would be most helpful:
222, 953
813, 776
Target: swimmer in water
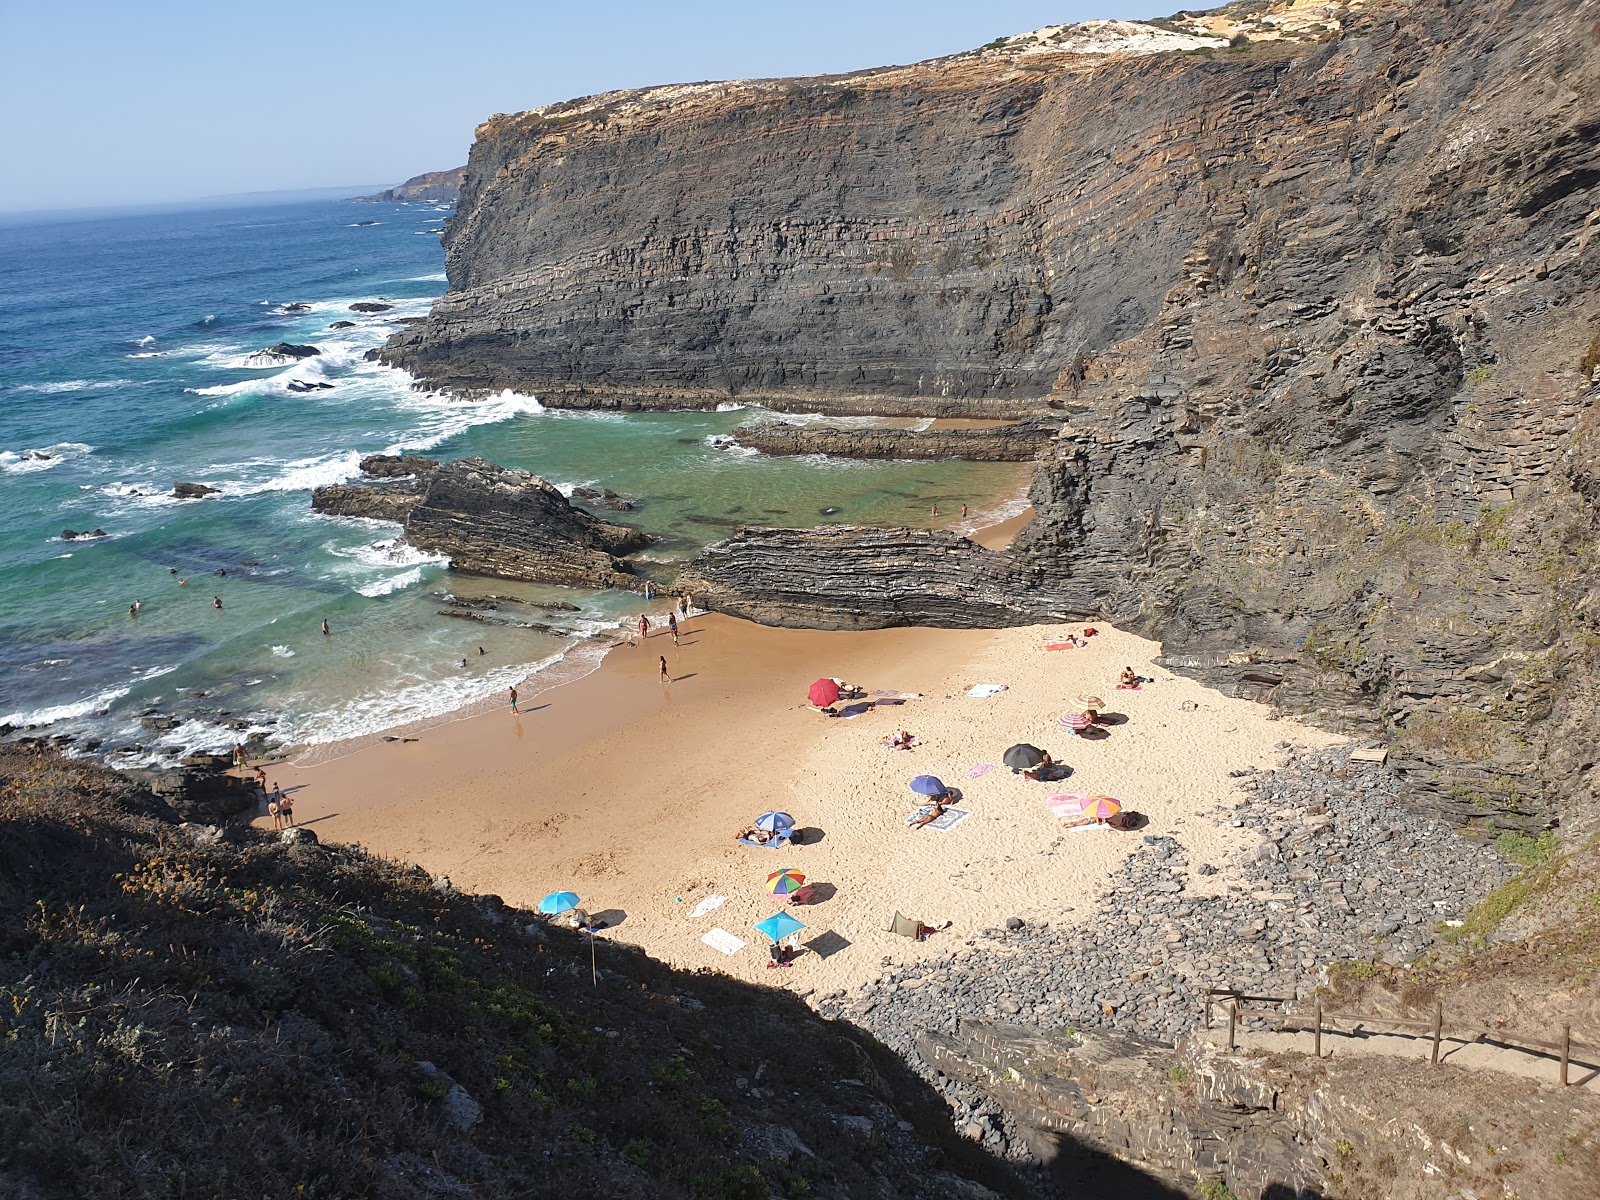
324, 626
480, 650
216, 602
133, 609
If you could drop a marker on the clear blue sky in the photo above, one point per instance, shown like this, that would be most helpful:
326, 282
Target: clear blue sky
144, 101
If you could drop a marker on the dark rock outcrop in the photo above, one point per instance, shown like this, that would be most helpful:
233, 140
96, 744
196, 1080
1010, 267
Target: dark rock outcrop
290, 350
342, 325
193, 491
383, 502
429, 186
490, 521
370, 306
68, 535
393, 466
1019, 442
843, 577
603, 498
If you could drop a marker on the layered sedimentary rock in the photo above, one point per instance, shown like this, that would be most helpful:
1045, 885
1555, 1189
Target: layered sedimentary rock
844, 577
491, 521
430, 185
1320, 312
1020, 442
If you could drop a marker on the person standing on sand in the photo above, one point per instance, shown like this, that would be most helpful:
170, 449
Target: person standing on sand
285, 807
666, 676
644, 626
963, 512
513, 699
324, 626
672, 624
277, 816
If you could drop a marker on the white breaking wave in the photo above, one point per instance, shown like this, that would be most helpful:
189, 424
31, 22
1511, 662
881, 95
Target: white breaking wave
395, 584
146, 340
443, 417
439, 278
148, 354
282, 652
385, 555
71, 385
65, 712
20, 462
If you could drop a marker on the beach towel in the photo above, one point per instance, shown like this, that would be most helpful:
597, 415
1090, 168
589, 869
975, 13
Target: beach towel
982, 691
951, 818
1089, 828
721, 939
980, 770
853, 711
1061, 646
706, 905
1066, 804
1129, 687
780, 843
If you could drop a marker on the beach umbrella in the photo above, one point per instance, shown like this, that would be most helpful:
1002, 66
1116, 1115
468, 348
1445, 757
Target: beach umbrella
785, 882
1074, 721
779, 926
775, 822
558, 902
1100, 807
1023, 757
928, 785
1088, 700
823, 693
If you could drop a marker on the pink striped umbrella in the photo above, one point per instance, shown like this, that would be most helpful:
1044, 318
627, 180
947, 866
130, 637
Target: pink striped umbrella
1101, 807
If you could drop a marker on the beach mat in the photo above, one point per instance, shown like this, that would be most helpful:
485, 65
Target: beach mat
1060, 646
979, 771
721, 939
706, 905
982, 691
1066, 804
952, 817
1129, 687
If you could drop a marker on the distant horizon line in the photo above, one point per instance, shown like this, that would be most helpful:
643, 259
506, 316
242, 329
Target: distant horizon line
26, 216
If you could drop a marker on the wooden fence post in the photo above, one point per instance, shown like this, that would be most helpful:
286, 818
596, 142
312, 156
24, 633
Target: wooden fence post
1318, 1044
1233, 1025
1438, 1028
1566, 1051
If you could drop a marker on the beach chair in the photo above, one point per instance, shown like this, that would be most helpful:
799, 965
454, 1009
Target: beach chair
905, 926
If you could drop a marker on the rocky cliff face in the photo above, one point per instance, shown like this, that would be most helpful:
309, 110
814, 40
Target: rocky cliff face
489, 520
1020, 442
1320, 312
430, 185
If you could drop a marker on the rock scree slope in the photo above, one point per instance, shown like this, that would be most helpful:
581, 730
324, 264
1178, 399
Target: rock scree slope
1318, 308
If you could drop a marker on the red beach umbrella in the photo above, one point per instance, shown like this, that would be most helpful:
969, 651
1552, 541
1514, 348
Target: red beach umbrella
823, 693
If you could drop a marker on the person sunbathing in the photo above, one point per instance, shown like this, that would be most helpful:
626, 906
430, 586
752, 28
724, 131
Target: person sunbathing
849, 691
900, 741
935, 811
751, 834
1045, 770
1129, 678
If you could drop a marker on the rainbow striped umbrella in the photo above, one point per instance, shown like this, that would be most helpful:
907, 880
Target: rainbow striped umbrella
1074, 721
1100, 807
785, 882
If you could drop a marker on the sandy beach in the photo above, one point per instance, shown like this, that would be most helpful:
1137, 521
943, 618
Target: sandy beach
630, 791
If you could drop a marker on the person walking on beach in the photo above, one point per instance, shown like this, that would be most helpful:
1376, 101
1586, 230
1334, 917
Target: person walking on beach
261, 779
666, 676
644, 626
513, 699
238, 756
672, 624
683, 604
324, 626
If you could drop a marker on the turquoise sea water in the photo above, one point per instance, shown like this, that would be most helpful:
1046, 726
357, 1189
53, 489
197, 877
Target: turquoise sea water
122, 347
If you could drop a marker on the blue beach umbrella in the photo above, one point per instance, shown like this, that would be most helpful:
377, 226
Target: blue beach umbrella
775, 822
928, 785
779, 926
558, 902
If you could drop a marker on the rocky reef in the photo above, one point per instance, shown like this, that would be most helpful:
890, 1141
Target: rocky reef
490, 520
429, 186
1019, 442
845, 577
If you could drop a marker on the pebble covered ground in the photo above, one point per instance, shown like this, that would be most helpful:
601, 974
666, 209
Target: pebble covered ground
1343, 871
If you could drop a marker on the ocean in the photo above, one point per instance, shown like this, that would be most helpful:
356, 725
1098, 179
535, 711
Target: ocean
123, 369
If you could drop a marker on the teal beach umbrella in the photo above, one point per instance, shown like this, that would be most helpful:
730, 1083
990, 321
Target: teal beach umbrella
558, 902
778, 926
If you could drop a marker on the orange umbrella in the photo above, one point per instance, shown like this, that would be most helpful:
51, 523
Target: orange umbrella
1101, 807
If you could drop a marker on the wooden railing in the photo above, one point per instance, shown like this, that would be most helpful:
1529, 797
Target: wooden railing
1238, 1005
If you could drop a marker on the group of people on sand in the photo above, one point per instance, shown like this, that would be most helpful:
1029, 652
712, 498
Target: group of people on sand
280, 805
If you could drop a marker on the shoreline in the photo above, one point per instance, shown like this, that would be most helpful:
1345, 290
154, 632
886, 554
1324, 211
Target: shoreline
629, 791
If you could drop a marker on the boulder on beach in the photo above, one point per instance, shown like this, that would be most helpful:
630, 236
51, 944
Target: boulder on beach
192, 491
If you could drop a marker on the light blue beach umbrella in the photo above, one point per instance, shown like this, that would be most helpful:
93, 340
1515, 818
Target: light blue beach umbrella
928, 785
775, 822
557, 903
779, 926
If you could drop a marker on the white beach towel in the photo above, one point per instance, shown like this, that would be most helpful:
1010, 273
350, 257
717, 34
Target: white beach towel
982, 691
1088, 828
721, 939
706, 905
948, 821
